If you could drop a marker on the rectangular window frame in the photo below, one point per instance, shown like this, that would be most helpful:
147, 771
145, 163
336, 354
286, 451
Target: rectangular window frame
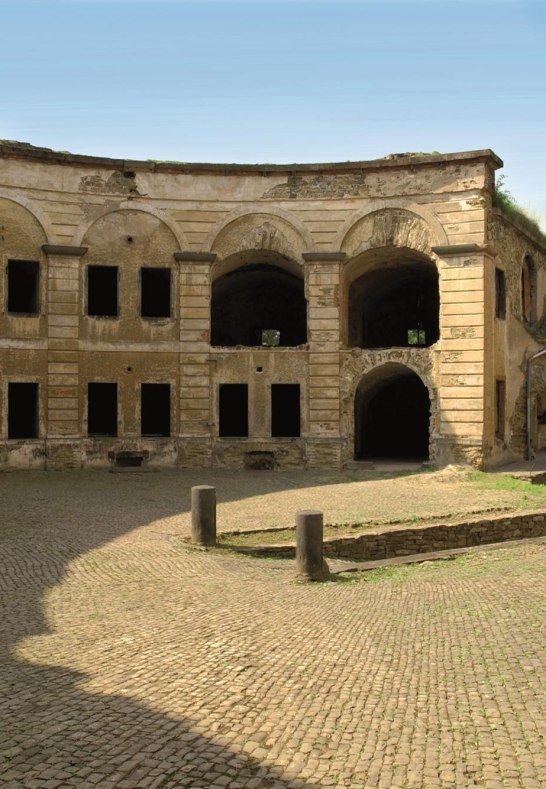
118, 280
36, 432
242, 434
500, 293
13, 262
102, 434
156, 317
150, 435
276, 387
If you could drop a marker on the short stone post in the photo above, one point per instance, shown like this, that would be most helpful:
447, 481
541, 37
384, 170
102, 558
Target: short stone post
310, 562
203, 515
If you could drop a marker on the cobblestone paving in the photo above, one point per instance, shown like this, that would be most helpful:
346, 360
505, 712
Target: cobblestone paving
131, 660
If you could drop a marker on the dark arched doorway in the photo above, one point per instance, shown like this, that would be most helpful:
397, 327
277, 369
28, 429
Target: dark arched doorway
392, 415
258, 304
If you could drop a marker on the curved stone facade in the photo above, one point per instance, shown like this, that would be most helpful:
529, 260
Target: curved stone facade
108, 269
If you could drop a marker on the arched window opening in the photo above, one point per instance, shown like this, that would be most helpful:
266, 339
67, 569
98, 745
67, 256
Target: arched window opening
258, 305
392, 415
529, 290
395, 305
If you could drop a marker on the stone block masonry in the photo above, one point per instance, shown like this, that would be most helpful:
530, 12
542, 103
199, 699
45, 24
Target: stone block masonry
319, 314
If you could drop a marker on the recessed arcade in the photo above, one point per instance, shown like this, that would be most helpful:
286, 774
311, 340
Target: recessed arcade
258, 299
392, 299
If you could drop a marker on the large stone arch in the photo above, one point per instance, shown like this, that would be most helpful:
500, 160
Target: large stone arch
398, 225
258, 281
23, 233
357, 367
270, 234
389, 249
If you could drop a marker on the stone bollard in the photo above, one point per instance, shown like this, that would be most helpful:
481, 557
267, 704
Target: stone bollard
310, 563
203, 515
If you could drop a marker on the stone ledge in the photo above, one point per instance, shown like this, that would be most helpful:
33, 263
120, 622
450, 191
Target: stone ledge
15, 149
62, 249
393, 542
451, 250
195, 257
324, 257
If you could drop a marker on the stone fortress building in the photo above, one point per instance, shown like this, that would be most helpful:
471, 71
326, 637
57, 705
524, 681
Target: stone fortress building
194, 315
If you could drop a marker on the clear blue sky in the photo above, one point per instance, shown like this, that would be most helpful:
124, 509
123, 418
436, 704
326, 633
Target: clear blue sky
280, 80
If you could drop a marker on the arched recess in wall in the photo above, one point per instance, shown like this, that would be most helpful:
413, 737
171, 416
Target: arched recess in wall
130, 269
390, 282
129, 234
22, 233
528, 290
258, 289
392, 414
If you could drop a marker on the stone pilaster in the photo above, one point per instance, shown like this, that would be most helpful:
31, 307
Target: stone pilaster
464, 354
323, 321
63, 303
195, 383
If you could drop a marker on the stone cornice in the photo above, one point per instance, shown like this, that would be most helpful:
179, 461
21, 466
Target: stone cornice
195, 257
21, 150
62, 249
463, 249
324, 257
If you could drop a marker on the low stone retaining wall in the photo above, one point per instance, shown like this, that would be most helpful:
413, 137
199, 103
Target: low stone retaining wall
391, 542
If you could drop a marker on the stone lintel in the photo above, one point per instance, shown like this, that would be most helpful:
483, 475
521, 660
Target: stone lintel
453, 250
324, 257
195, 257
63, 249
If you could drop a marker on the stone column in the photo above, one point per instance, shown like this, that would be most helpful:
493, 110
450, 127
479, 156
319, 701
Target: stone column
323, 321
464, 358
195, 385
203, 515
63, 445
310, 563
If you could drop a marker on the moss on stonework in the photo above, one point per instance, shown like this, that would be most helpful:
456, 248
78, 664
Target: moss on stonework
504, 200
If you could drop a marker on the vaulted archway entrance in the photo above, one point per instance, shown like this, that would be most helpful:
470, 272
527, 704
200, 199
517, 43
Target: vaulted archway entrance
392, 415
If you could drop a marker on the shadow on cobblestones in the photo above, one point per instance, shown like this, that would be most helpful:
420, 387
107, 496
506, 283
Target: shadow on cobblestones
53, 733
57, 735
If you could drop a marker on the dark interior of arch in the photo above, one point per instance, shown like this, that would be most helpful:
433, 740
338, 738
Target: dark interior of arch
395, 306
256, 298
392, 419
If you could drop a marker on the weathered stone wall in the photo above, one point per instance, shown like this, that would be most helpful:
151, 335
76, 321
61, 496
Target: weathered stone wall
322, 223
388, 543
512, 340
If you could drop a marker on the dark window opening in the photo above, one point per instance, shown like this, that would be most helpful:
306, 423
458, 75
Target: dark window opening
500, 294
248, 302
392, 418
23, 286
395, 306
500, 401
233, 410
528, 290
285, 410
102, 291
22, 410
155, 292
155, 409
102, 409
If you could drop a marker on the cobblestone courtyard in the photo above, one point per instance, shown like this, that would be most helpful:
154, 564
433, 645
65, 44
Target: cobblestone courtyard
131, 660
